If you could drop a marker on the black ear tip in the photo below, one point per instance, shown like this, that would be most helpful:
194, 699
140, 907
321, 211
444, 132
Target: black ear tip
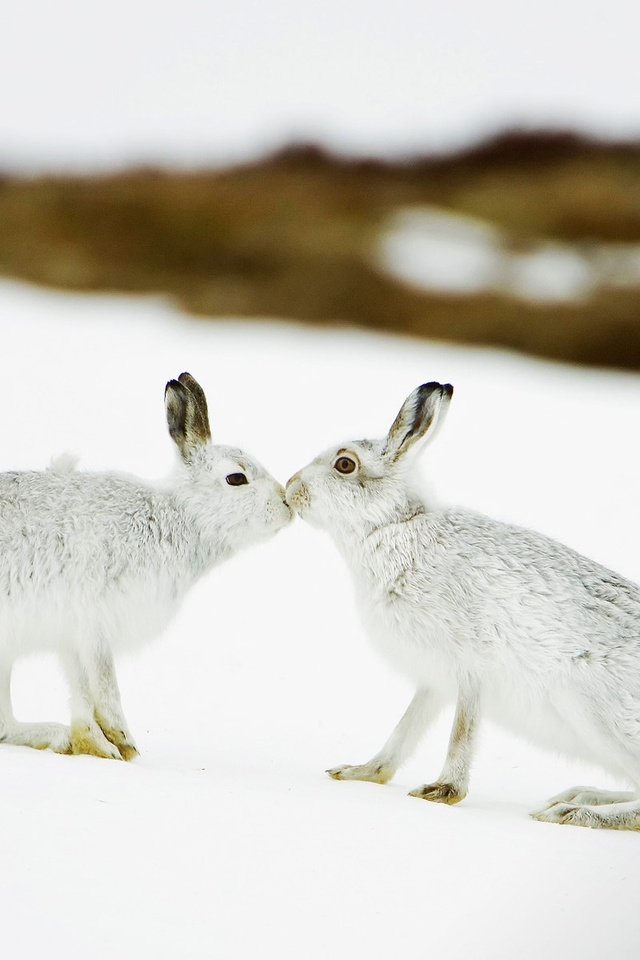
172, 385
433, 386
185, 376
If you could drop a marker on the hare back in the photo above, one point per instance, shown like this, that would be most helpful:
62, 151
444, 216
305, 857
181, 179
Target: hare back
453, 594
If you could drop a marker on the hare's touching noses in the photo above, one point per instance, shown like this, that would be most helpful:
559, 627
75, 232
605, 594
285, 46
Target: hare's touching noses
95, 563
500, 620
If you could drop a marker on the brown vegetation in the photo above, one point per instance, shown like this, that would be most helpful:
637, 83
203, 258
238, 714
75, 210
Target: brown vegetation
292, 236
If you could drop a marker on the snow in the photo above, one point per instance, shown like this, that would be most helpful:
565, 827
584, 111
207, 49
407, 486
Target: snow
552, 272
618, 264
441, 250
225, 838
196, 82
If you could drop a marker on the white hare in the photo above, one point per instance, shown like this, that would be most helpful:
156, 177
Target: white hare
510, 623
94, 563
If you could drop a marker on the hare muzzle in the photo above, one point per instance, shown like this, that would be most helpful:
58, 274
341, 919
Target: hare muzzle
297, 494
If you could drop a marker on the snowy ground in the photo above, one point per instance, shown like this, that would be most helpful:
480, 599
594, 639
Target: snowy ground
226, 839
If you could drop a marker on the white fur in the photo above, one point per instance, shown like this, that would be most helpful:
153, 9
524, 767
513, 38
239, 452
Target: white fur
94, 563
514, 625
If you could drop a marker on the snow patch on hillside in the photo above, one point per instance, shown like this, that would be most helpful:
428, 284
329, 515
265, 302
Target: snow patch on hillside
449, 252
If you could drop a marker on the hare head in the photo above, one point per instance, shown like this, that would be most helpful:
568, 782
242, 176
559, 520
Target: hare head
363, 482
234, 496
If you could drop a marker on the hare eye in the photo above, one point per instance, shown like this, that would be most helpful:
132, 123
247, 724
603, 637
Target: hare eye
345, 465
236, 479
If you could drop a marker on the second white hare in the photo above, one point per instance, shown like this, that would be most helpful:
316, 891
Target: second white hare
94, 563
509, 623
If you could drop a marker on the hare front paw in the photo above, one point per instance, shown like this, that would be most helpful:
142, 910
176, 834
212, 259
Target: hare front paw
372, 772
89, 739
439, 793
123, 741
120, 738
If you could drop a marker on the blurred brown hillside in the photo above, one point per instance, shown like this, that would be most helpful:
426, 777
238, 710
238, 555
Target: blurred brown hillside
295, 236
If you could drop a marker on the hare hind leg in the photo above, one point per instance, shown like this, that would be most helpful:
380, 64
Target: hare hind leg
619, 750
591, 796
621, 815
40, 736
558, 808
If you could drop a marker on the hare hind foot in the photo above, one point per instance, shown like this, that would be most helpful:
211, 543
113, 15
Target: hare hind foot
439, 793
372, 772
40, 736
622, 815
590, 796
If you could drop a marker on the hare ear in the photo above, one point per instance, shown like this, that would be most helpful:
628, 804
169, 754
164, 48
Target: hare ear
192, 384
187, 426
418, 417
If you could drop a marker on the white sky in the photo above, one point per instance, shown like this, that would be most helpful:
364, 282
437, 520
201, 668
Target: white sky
87, 84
